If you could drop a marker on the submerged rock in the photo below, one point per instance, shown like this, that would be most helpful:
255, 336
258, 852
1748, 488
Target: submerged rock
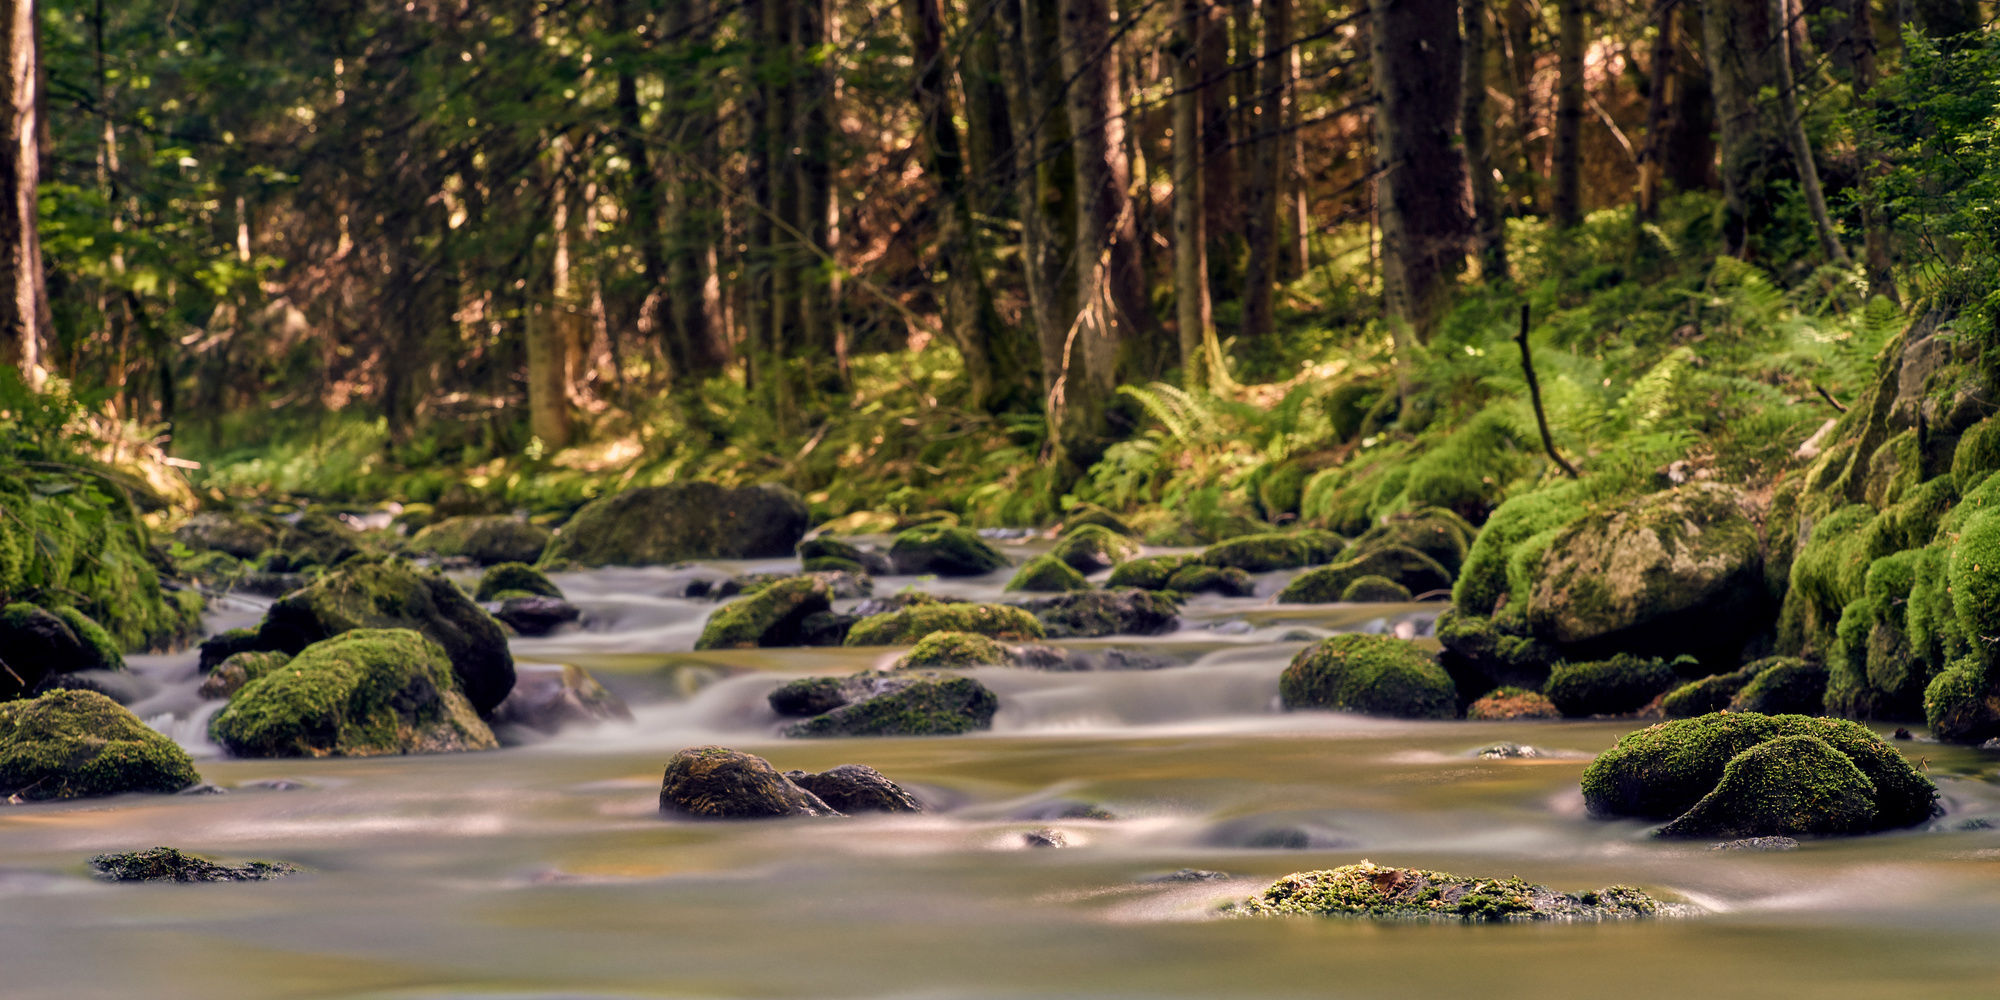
913, 622
856, 788
365, 692
488, 540
1092, 547
1201, 578
895, 703
1097, 613
1379, 893
1047, 836
75, 744
547, 699
773, 616
1758, 844
711, 782
944, 550
1373, 674
659, 525
535, 616
165, 864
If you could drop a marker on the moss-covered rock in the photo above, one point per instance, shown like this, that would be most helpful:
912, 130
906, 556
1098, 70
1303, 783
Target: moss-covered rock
240, 534
1673, 571
1414, 571
1263, 553
1482, 653
943, 550
1047, 574
856, 788
1783, 685
315, 538
1621, 684
1960, 705
76, 744
1483, 578
1708, 694
1784, 787
773, 616
223, 645
1092, 547
487, 540
1147, 572
1375, 892
1374, 590
165, 864
903, 703
909, 624
1091, 514
1661, 772
1373, 674
37, 645
1974, 574
364, 692
711, 782
953, 650
1508, 703
658, 525
1095, 613
514, 577
1201, 578
239, 669
1440, 534
390, 594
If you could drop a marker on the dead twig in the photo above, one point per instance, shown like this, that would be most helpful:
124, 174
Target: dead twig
1535, 396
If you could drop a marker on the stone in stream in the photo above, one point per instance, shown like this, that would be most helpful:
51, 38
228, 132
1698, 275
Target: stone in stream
236, 533
1095, 613
512, 578
239, 669
1047, 836
223, 645
711, 782
1783, 684
773, 616
1091, 547
1400, 564
1201, 578
955, 650
1263, 553
944, 550
534, 616
1374, 590
1712, 777
1191, 875
1758, 844
38, 645
1372, 674
362, 693
74, 744
915, 620
1709, 694
1047, 574
828, 553
487, 540
886, 703
1617, 686
1438, 533
660, 525
1507, 703
1148, 572
856, 788
1509, 751
550, 698
165, 864
1375, 892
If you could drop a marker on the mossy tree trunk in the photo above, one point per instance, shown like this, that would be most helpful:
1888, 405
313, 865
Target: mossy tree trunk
1736, 34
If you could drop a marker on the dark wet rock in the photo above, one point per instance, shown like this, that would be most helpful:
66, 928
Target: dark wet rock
165, 864
262, 584
915, 620
1783, 685
773, 616
1404, 566
711, 782
236, 533
1666, 770
826, 552
514, 578
277, 785
535, 616
1380, 893
1045, 837
1191, 875
660, 525
1509, 751
37, 644
943, 550
391, 594
547, 699
856, 788
901, 703
1508, 703
1373, 674
222, 645
1201, 578
1147, 572
75, 744
364, 692
1758, 844
1617, 686
1482, 653
239, 669
316, 538
1091, 547
1900, 734
487, 541
1263, 553
826, 628
1097, 613
1047, 575
886, 603
809, 696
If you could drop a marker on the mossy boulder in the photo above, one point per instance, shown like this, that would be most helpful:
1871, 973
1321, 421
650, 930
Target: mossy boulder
1662, 771
1673, 572
1784, 787
238, 533
773, 616
1263, 553
895, 703
824, 552
1708, 694
952, 650
856, 788
240, 669
1047, 574
1974, 576
1373, 674
944, 550
1484, 579
76, 744
1960, 706
391, 594
1508, 703
1375, 892
487, 540
1374, 590
1783, 685
37, 645
1617, 686
165, 864
314, 538
1091, 514
1482, 653
1201, 578
363, 693
1408, 568
1092, 547
514, 578
1147, 572
711, 782
223, 645
1095, 613
1440, 534
658, 525
906, 625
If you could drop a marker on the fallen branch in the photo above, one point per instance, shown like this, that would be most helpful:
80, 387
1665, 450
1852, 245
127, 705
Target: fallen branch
1830, 401
1535, 395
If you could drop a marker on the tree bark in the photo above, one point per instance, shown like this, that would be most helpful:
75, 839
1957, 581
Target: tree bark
1735, 34
1518, 17
1659, 104
813, 210
1045, 177
1192, 308
552, 322
1566, 208
1857, 43
1422, 188
1489, 228
1222, 214
1264, 176
1795, 134
24, 303
1295, 256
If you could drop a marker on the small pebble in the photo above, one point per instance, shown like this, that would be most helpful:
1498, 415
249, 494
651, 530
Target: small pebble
1509, 751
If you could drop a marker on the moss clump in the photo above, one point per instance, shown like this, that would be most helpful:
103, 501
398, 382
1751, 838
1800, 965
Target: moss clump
952, 650
363, 693
773, 616
1483, 579
488, 541
100, 649
1376, 892
1275, 550
1787, 786
1374, 674
1414, 571
944, 550
1709, 694
1482, 653
37, 645
1661, 771
1624, 683
514, 577
1374, 590
1830, 570
1974, 574
658, 525
1092, 547
165, 864
1977, 454
907, 625
1512, 703
1147, 572
239, 669
1047, 575
74, 744
1091, 514
1960, 706
1201, 578
1783, 685
918, 706
829, 564
1438, 533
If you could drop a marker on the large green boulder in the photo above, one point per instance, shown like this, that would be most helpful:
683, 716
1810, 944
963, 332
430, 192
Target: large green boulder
944, 550
1482, 653
73, 744
1783, 685
488, 540
951, 650
909, 624
904, 703
1960, 706
1275, 550
1784, 787
315, 538
1201, 578
1373, 674
658, 525
391, 594
773, 616
1375, 892
362, 693
1621, 684
1412, 570
711, 782
1092, 547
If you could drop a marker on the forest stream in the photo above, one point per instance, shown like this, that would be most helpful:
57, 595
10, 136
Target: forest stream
546, 869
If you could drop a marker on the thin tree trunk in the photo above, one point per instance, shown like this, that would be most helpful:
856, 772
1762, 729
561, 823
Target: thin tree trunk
1735, 34
549, 326
1265, 176
24, 302
1567, 203
1489, 229
1046, 179
1222, 214
1296, 254
1422, 187
1659, 104
1858, 43
1518, 18
693, 223
1795, 133
812, 165
1192, 308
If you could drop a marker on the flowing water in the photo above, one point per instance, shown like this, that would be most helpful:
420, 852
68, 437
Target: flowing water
545, 870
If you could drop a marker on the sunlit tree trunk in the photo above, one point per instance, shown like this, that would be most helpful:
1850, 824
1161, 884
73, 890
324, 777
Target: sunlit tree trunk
24, 305
552, 324
1566, 205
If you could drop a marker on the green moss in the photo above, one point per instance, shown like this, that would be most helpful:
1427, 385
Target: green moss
1974, 574
103, 652
1376, 892
1438, 533
1147, 573
1414, 571
1091, 547
659, 525
1089, 513
1275, 550
517, 577
1783, 685
1894, 469
1507, 703
906, 626
1201, 578
1047, 574
1374, 590
1483, 578
1374, 674
165, 864
1977, 455
239, 669
945, 551
1930, 621
74, 744
1709, 694
773, 616
954, 650
487, 540
1847, 691
1622, 684
926, 706
1831, 567
829, 547
362, 693
66, 542
1786, 786
1960, 705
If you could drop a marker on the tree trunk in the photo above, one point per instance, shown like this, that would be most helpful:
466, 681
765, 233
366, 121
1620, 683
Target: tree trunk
1659, 104
24, 304
1222, 214
1264, 176
1795, 133
1518, 17
1857, 42
1422, 188
640, 310
1192, 309
1489, 228
1566, 208
812, 164
1735, 34
1296, 254
694, 222
550, 328
1045, 177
